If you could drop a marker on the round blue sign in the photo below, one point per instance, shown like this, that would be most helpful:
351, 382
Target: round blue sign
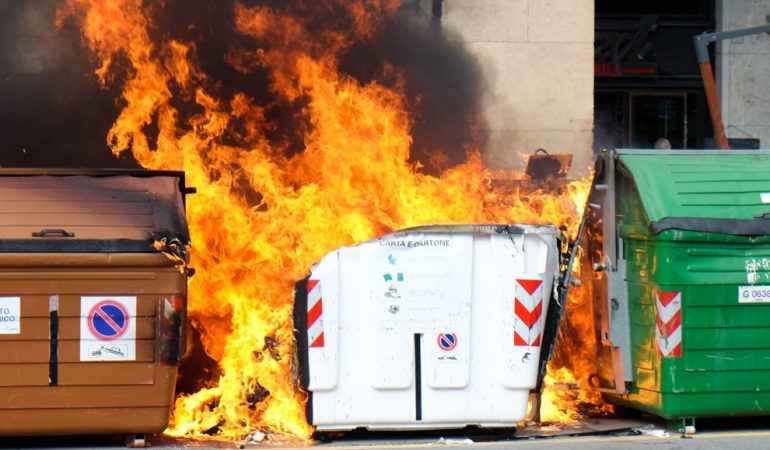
447, 341
108, 320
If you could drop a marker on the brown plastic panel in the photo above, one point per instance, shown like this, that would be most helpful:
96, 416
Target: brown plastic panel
69, 351
140, 206
166, 281
66, 397
37, 328
63, 220
104, 396
72, 374
54, 207
73, 421
108, 221
107, 373
61, 261
24, 374
23, 352
160, 393
76, 275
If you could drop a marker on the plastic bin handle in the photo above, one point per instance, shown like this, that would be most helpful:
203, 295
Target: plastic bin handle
53, 232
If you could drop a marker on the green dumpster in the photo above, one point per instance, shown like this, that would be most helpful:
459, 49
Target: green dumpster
681, 254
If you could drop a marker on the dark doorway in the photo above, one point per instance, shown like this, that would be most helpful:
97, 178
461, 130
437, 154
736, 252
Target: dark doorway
646, 79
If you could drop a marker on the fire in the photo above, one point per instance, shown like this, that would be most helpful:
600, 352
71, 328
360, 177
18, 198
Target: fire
265, 211
567, 396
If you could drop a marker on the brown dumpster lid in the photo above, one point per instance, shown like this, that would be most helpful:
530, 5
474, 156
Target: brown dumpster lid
71, 210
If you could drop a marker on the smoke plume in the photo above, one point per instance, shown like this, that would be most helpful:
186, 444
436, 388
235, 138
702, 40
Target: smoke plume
54, 113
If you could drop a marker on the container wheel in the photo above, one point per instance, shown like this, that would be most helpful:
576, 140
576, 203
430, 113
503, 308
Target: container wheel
685, 426
135, 441
689, 426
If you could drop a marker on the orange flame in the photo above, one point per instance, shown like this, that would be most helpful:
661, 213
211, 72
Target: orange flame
568, 396
262, 216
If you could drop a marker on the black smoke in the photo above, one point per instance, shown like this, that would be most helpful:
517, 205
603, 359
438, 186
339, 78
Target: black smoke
443, 81
54, 113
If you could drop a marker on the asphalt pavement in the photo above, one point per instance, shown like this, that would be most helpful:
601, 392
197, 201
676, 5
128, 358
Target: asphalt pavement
646, 433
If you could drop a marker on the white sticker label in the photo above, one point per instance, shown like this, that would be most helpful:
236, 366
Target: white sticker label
108, 328
765, 196
754, 294
10, 315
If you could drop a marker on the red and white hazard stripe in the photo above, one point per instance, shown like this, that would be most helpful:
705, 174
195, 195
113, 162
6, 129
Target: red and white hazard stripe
668, 331
315, 322
528, 309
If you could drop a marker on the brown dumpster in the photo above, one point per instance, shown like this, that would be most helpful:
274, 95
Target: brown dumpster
93, 271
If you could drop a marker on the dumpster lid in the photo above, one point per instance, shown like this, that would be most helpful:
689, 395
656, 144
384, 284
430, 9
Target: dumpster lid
714, 191
427, 230
71, 210
475, 229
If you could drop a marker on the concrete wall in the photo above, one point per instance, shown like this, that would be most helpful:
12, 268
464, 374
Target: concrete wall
52, 112
537, 58
742, 68
28, 37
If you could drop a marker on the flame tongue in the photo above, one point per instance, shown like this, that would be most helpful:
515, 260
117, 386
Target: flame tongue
264, 212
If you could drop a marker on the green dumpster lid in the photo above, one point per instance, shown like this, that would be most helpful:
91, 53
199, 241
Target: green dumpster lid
711, 191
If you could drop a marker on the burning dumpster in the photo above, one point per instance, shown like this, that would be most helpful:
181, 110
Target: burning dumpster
683, 275
430, 327
92, 300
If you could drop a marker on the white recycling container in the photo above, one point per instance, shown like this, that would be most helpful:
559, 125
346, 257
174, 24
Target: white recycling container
429, 327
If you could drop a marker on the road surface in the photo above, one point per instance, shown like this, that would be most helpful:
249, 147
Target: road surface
733, 434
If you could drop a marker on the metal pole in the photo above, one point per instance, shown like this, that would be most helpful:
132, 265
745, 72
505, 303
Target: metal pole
714, 108
701, 42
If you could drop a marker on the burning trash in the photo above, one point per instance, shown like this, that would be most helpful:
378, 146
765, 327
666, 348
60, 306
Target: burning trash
292, 157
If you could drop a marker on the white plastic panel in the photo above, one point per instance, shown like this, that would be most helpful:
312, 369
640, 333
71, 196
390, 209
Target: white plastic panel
324, 359
454, 296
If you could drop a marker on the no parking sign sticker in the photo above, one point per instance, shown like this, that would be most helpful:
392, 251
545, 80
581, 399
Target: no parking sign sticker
108, 328
447, 341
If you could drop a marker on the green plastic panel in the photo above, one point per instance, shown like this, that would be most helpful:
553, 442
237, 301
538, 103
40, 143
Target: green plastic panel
725, 186
706, 404
724, 369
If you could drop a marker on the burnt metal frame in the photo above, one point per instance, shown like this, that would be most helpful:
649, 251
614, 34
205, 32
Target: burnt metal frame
617, 335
